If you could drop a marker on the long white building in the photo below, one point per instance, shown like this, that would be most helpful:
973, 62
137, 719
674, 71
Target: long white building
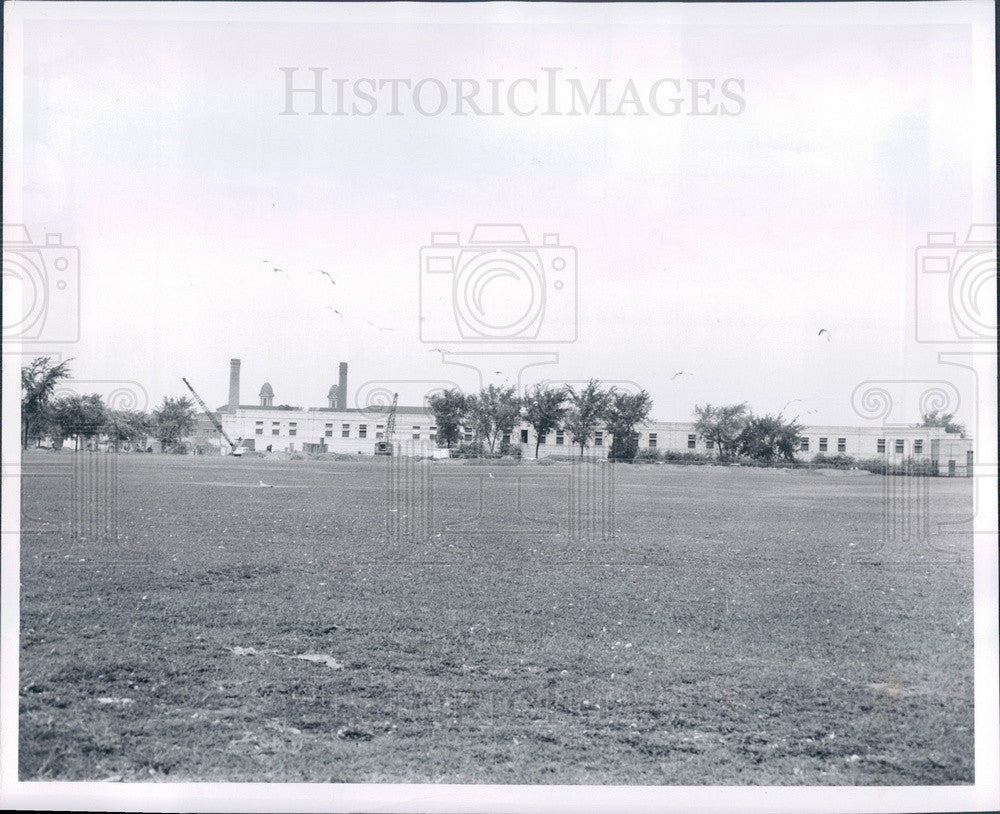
338, 428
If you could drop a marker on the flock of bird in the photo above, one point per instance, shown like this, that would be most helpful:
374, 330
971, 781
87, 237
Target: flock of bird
277, 270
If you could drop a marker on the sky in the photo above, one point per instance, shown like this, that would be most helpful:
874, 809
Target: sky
716, 245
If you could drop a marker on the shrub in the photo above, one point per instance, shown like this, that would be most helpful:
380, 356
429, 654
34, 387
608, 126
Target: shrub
908, 466
672, 456
474, 449
509, 450
839, 461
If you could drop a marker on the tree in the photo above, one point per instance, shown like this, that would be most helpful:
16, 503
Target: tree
586, 412
769, 437
493, 411
81, 417
449, 408
544, 408
127, 426
721, 425
173, 419
935, 418
38, 381
623, 413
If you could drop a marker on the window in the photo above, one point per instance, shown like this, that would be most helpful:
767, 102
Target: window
328, 431
468, 436
416, 432
692, 441
275, 428
541, 438
259, 428
293, 427
379, 431
822, 445
918, 447
560, 438
900, 446
524, 436
652, 440
506, 438
345, 430
841, 445
804, 444
709, 443
362, 431
434, 433
880, 445
598, 439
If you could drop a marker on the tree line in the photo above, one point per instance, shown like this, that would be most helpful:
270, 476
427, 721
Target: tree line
580, 412
84, 417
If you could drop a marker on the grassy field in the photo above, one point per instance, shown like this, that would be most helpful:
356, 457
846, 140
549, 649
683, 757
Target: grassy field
745, 626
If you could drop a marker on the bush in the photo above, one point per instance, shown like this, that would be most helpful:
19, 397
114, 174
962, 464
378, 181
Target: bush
477, 449
649, 456
509, 450
839, 461
672, 456
468, 450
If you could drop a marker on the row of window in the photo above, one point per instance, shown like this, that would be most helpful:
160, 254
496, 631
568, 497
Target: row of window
899, 445
543, 438
824, 445
345, 430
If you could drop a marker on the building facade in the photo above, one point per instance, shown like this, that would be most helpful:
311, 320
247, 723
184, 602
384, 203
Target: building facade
337, 428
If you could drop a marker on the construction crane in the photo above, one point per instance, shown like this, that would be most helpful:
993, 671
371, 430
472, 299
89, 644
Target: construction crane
384, 447
234, 448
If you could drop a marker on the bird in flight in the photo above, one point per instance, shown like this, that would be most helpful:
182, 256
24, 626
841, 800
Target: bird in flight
331, 308
680, 373
325, 274
824, 331
436, 350
790, 402
276, 270
380, 329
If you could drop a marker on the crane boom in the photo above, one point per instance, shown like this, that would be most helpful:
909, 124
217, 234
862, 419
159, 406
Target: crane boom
210, 414
384, 447
390, 424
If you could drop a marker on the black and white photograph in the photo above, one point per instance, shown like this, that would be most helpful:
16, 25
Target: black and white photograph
499, 406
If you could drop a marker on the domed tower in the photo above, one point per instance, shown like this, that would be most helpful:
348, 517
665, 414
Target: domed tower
333, 397
267, 395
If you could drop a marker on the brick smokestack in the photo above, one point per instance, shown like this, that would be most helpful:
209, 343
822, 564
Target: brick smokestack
234, 383
342, 386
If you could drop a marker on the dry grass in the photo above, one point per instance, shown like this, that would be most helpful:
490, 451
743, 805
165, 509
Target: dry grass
724, 636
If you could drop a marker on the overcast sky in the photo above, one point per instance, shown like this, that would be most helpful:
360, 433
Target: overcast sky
716, 245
